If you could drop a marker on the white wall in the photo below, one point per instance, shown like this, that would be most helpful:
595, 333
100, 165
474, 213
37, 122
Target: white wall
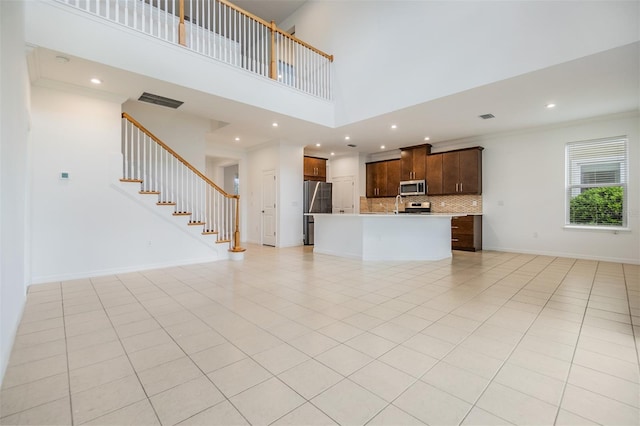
92, 224
394, 54
524, 196
291, 195
14, 147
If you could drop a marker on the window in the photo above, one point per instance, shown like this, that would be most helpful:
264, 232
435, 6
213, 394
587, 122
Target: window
597, 183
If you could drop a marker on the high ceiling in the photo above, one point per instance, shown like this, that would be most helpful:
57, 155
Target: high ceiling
600, 84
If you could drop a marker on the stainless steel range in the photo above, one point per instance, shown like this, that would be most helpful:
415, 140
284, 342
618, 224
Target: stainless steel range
417, 207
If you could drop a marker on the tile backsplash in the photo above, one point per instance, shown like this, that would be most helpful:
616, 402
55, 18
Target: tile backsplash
439, 203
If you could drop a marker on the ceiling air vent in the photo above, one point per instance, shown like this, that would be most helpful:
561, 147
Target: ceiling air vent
350, 145
159, 100
487, 116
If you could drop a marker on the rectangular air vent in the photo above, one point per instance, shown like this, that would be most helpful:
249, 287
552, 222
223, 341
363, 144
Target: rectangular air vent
486, 116
159, 100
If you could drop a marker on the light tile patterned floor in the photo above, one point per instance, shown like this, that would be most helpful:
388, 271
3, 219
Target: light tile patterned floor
287, 337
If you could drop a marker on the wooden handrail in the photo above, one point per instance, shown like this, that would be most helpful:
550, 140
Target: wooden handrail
271, 25
307, 45
178, 157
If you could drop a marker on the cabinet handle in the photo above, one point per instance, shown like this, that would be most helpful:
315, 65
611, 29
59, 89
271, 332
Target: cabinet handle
454, 227
455, 240
460, 186
456, 187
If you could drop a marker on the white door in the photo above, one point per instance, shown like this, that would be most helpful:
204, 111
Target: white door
269, 208
343, 194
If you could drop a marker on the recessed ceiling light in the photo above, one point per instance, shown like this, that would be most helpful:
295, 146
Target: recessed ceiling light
551, 105
381, 146
274, 124
333, 153
62, 59
95, 80
346, 138
393, 126
426, 138
317, 144
237, 139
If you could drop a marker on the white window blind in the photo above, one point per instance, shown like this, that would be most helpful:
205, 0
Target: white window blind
597, 182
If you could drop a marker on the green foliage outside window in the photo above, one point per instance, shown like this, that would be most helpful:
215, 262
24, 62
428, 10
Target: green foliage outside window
597, 206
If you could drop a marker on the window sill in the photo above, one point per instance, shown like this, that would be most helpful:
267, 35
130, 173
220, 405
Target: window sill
612, 229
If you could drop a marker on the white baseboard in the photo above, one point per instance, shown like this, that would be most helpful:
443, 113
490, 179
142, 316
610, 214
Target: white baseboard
124, 270
630, 261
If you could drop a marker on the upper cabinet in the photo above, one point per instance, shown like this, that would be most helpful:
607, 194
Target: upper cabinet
447, 173
462, 171
383, 178
315, 169
413, 162
434, 174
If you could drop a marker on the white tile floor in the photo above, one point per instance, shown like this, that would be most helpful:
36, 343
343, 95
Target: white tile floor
287, 337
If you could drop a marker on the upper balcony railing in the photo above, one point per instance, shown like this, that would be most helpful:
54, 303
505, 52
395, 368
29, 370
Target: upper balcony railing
220, 30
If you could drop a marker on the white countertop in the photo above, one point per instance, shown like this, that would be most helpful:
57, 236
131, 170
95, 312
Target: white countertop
382, 214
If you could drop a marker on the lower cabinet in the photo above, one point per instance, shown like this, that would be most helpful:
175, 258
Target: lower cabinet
466, 233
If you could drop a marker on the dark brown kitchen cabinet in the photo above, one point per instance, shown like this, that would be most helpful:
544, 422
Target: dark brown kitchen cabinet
315, 168
393, 178
466, 233
434, 174
413, 162
383, 178
462, 171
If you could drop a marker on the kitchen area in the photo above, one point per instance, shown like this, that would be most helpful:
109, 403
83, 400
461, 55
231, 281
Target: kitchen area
423, 199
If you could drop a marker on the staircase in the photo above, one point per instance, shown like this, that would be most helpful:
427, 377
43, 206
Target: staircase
161, 172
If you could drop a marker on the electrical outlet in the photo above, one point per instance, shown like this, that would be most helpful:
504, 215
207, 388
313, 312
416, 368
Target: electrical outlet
441, 203
474, 203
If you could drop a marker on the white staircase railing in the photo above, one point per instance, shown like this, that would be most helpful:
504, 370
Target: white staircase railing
162, 172
223, 31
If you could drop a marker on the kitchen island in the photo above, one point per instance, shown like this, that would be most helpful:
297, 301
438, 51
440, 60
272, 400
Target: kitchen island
398, 237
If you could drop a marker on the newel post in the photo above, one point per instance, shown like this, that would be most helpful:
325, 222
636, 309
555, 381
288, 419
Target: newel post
236, 233
182, 33
273, 69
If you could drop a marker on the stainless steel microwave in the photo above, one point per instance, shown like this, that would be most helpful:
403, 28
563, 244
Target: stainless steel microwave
413, 187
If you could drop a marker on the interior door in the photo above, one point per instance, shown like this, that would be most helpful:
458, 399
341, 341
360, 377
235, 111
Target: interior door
269, 218
343, 194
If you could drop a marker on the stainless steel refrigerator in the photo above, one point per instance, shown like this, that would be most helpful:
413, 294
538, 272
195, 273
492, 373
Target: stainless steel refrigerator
317, 199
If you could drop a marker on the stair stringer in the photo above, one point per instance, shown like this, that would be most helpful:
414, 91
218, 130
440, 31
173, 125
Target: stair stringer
149, 202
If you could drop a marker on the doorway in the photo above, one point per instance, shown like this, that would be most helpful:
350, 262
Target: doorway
343, 194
